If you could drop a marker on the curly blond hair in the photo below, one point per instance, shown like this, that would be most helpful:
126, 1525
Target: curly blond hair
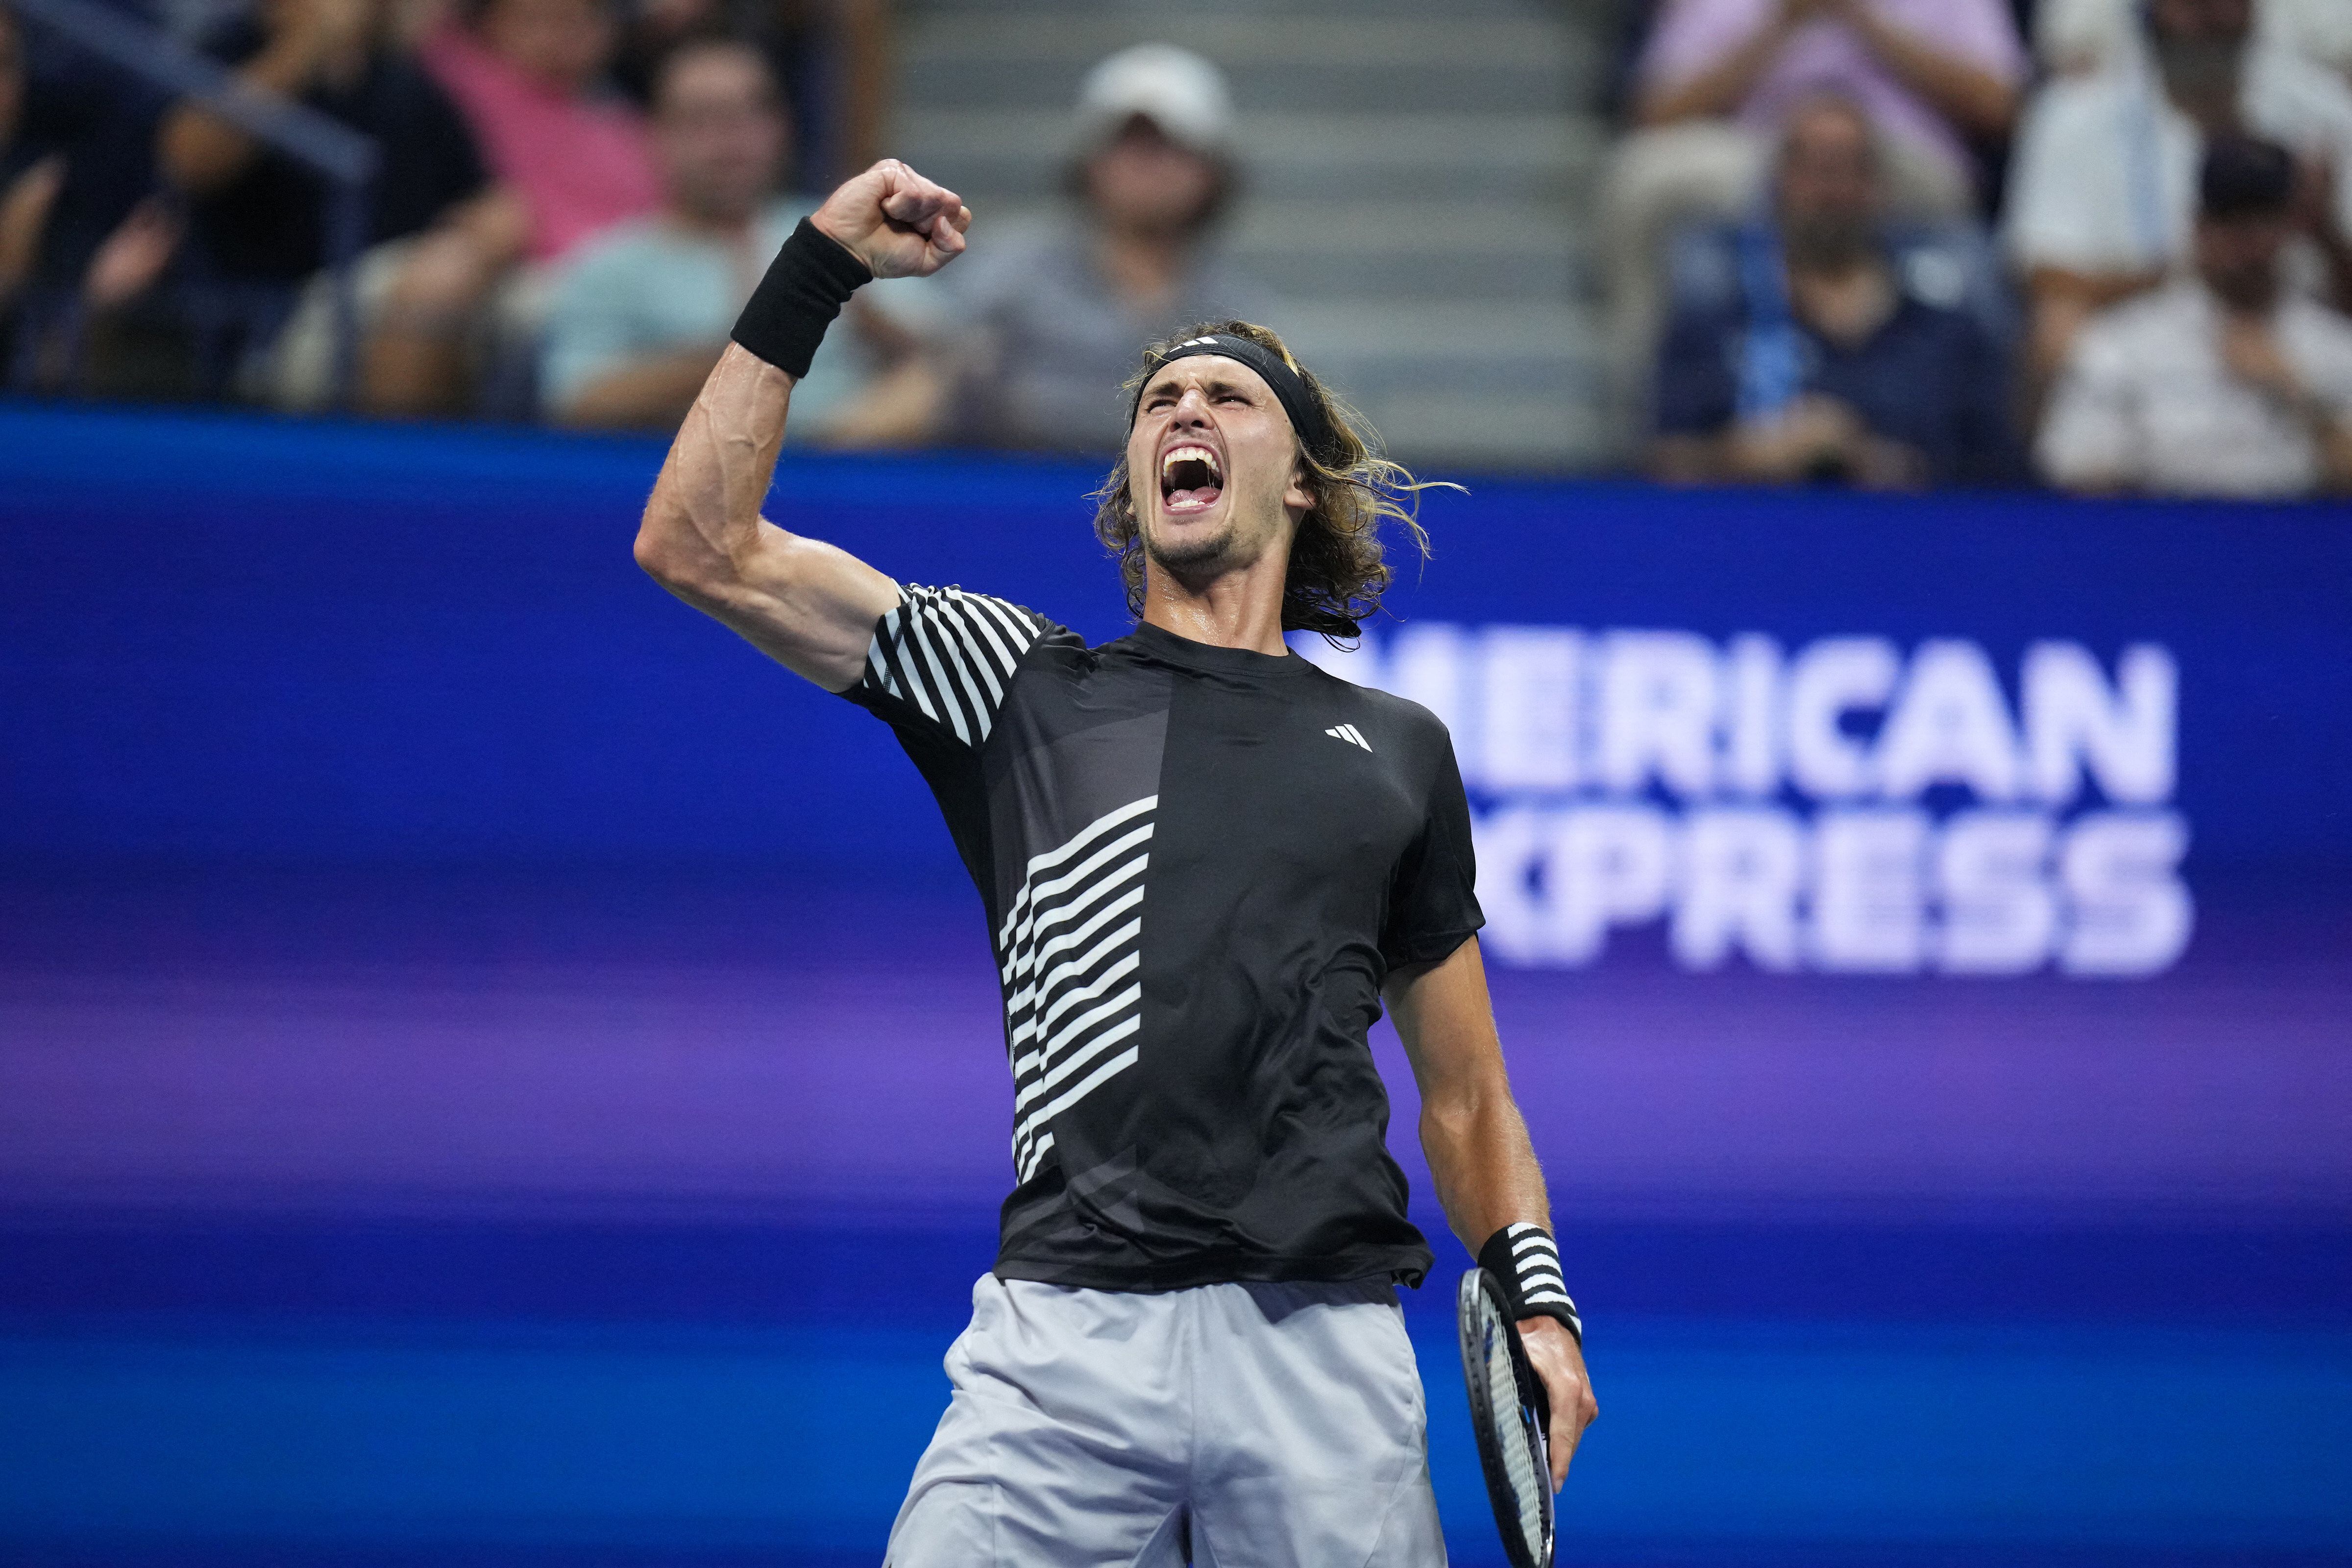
1338, 569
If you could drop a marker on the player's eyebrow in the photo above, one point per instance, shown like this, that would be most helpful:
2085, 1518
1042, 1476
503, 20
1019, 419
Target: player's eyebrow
1168, 385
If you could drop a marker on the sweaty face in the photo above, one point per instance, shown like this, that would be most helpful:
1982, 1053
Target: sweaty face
1214, 467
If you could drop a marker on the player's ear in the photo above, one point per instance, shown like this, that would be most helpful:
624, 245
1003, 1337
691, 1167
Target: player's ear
1299, 499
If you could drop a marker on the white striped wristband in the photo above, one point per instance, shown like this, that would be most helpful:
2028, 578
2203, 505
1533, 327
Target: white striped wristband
1526, 1263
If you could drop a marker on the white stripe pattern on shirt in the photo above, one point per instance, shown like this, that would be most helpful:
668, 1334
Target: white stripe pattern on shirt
1070, 952
952, 655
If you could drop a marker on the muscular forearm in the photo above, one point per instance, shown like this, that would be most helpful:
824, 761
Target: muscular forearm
1484, 1166
806, 605
1480, 1157
703, 519
1477, 1146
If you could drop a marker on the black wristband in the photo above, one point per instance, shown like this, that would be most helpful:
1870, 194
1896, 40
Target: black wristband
807, 284
1525, 1262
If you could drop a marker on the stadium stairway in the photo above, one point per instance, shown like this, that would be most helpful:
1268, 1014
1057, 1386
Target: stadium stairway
1413, 181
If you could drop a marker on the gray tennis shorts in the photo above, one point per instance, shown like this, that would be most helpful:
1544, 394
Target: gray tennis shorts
1240, 1426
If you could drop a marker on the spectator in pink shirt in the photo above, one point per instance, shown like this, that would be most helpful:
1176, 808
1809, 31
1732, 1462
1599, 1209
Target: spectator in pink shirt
567, 158
1930, 73
1718, 78
528, 76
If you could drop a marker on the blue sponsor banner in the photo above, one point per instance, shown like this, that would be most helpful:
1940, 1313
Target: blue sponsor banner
283, 640
1919, 930
1988, 742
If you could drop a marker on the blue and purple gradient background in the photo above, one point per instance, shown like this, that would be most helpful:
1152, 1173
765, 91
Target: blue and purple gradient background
491, 1071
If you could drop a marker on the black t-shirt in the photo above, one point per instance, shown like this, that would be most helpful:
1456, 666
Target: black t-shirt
1199, 864
270, 223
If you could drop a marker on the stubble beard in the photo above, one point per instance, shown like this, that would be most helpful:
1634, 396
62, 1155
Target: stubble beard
1197, 560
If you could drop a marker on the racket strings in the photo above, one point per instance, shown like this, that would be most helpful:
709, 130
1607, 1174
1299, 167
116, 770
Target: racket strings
1510, 1446
1520, 1459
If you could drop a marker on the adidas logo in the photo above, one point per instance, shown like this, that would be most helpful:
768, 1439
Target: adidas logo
1348, 733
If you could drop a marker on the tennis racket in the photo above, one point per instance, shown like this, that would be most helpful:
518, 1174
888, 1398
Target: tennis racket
1511, 1413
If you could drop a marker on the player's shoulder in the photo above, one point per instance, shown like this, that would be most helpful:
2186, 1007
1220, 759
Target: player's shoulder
955, 597
968, 615
1369, 708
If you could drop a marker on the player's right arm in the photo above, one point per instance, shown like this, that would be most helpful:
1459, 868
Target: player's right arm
806, 605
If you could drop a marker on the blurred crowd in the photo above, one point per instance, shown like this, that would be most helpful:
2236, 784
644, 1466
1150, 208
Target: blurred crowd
1886, 243
571, 202
2101, 244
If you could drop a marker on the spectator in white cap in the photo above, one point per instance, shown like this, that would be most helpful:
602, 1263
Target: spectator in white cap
1051, 317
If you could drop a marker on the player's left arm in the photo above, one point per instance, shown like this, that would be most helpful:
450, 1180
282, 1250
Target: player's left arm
1479, 1152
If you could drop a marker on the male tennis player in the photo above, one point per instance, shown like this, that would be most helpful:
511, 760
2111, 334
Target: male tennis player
1204, 863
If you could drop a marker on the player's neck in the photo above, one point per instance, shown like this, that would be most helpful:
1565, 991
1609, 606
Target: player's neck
1239, 609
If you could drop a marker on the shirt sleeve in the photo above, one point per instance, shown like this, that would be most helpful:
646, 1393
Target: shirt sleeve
942, 660
1433, 897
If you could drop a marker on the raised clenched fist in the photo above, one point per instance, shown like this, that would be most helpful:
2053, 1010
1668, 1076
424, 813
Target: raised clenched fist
898, 223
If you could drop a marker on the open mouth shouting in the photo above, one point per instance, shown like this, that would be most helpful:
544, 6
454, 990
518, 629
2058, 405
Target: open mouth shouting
1190, 479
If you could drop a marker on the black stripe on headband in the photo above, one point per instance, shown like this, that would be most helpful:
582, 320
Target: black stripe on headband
1307, 415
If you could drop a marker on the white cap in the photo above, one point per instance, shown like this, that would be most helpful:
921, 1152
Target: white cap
1174, 89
